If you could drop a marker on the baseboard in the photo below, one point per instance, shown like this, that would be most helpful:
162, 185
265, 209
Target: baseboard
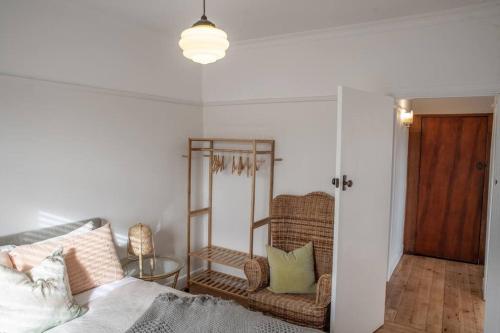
393, 263
182, 281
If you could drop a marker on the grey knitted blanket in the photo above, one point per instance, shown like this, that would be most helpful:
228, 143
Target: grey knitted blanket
170, 313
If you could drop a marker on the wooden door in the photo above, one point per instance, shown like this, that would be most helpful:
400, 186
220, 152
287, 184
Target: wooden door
365, 123
450, 189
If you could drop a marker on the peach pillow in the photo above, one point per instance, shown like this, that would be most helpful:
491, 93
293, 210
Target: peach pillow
5, 260
91, 258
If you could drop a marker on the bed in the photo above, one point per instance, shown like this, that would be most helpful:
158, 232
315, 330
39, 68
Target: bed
120, 305
114, 307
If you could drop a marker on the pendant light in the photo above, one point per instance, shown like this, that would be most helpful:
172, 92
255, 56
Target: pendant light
203, 42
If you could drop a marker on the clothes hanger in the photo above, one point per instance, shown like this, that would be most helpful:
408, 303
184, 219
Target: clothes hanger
241, 166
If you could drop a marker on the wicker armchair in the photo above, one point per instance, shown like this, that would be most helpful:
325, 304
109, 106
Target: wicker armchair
295, 221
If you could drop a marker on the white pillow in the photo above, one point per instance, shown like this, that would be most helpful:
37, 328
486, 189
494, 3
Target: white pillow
7, 248
40, 299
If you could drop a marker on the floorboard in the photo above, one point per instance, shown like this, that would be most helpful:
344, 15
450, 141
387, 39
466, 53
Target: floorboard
434, 295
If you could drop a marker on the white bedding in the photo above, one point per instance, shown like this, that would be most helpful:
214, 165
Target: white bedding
114, 307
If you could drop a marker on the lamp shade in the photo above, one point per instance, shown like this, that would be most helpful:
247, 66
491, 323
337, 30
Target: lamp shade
140, 240
204, 43
406, 117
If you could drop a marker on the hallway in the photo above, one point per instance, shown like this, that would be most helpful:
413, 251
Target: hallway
434, 295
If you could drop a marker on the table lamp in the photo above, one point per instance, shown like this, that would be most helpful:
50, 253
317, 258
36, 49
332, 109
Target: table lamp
140, 244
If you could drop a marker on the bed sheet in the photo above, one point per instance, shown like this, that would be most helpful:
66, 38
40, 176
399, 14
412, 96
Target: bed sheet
114, 307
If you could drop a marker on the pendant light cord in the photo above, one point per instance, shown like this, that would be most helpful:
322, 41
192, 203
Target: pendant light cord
204, 20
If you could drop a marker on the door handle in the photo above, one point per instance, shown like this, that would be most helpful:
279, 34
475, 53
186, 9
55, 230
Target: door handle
481, 165
346, 183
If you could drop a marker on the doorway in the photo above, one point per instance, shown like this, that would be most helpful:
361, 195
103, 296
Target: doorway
447, 188
437, 284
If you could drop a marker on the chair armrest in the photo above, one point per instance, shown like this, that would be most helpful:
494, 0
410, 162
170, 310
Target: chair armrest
324, 290
257, 273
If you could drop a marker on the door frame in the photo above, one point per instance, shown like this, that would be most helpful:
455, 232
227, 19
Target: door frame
413, 180
491, 275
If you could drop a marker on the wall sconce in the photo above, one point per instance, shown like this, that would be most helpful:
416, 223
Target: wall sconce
405, 113
406, 117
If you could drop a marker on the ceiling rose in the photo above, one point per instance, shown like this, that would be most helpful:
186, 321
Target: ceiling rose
203, 42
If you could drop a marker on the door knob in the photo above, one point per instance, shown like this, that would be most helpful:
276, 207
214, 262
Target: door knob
481, 165
346, 183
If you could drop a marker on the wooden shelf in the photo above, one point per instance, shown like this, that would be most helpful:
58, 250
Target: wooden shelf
242, 141
229, 150
221, 282
213, 282
199, 212
223, 256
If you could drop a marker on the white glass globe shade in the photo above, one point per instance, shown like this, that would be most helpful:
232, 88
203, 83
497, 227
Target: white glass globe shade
204, 44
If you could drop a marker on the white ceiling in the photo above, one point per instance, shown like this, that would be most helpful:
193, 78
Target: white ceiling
261, 18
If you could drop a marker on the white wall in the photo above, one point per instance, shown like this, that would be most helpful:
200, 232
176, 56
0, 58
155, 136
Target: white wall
69, 153
94, 116
492, 274
429, 56
305, 138
455, 53
257, 90
398, 201
67, 41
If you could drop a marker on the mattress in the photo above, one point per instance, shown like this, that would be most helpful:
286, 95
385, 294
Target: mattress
114, 307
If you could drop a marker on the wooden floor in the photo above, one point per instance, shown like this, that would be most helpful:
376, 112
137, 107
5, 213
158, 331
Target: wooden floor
434, 295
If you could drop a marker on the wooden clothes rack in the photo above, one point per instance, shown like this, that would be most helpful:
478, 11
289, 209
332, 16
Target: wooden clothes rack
211, 281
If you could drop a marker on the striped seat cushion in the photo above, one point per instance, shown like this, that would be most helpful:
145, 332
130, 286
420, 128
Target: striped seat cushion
295, 308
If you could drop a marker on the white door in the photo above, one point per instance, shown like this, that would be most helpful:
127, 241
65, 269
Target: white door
365, 126
492, 277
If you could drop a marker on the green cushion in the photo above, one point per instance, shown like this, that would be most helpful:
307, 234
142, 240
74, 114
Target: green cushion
292, 272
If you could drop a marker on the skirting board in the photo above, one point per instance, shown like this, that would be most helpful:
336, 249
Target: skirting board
393, 263
182, 281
